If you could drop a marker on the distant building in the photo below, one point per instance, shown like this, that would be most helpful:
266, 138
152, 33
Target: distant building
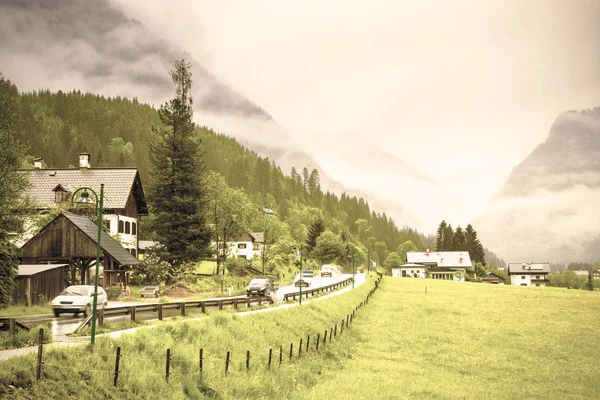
583, 274
247, 246
451, 265
493, 278
529, 274
596, 274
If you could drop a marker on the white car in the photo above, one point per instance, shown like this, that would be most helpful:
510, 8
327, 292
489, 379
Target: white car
78, 299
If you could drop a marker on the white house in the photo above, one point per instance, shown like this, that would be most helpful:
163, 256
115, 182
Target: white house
124, 200
529, 274
409, 271
451, 265
247, 246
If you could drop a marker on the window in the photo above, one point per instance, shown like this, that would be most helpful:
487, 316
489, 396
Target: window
133, 228
242, 256
537, 284
537, 277
107, 224
523, 284
133, 252
522, 276
255, 246
127, 228
120, 226
61, 196
241, 245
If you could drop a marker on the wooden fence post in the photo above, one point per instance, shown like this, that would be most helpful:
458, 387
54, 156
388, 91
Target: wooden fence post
280, 354
117, 362
168, 366
325, 338
347, 318
334, 332
201, 359
300, 348
342, 327
220, 305
318, 338
203, 306
247, 360
160, 312
227, 363
307, 342
270, 357
101, 317
132, 313
11, 326
182, 308
291, 350
38, 372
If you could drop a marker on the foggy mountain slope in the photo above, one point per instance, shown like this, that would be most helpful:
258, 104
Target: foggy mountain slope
570, 156
91, 46
548, 208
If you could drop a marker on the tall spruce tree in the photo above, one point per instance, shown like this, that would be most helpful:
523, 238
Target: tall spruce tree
12, 183
315, 230
448, 238
439, 239
176, 190
459, 242
474, 246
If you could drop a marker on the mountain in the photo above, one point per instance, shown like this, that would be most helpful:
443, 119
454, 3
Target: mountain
548, 208
93, 47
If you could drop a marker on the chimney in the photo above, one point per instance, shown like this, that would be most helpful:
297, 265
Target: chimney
37, 163
84, 160
427, 254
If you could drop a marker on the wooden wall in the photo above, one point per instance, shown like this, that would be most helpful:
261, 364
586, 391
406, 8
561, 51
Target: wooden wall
43, 286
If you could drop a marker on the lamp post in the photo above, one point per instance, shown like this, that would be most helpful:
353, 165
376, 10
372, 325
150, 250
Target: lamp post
98, 204
267, 212
352, 256
300, 280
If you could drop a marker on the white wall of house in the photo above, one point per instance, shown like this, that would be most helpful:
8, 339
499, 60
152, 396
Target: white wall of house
525, 280
412, 272
125, 227
247, 250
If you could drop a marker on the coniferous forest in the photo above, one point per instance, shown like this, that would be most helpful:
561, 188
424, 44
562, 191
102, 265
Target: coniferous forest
118, 132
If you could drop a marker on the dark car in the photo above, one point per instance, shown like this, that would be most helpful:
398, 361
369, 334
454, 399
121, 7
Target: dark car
259, 287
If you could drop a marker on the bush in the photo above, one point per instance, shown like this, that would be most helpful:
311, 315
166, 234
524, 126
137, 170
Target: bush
25, 338
112, 292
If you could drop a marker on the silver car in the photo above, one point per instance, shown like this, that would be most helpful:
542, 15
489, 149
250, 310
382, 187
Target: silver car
78, 299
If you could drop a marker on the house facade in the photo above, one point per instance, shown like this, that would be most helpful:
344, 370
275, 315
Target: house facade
409, 271
123, 201
596, 274
449, 265
493, 278
529, 274
247, 246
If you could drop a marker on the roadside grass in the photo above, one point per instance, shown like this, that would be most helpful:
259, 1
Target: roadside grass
206, 267
465, 340
21, 310
25, 338
77, 373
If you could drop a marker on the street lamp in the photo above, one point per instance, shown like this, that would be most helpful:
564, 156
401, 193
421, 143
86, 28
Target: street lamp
267, 212
352, 256
98, 204
300, 280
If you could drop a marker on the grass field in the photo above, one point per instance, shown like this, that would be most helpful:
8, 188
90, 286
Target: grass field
470, 341
457, 341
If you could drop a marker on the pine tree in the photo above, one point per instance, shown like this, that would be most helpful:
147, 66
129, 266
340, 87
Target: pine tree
459, 242
176, 192
314, 231
448, 237
439, 239
12, 183
474, 246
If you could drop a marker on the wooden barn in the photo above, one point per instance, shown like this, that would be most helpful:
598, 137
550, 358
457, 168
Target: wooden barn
38, 283
72, 239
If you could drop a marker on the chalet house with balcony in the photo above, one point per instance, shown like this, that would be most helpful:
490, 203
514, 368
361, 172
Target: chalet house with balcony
451, 265
124, 201
247, 246
529, 274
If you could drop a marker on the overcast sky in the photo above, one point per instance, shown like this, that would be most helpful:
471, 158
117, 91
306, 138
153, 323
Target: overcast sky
462, 90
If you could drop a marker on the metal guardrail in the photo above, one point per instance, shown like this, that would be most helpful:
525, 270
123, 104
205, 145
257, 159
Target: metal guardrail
310, 292
183, 306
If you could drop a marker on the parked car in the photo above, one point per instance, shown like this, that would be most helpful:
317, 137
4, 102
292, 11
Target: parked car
259, 287
78, 299
150, 291
304, 278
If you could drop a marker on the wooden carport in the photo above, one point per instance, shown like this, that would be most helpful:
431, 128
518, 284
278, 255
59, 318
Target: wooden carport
38, 283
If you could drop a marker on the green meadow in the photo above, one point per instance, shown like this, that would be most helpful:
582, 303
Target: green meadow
451, 340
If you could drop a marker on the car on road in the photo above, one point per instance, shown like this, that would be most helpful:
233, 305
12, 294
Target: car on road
259, 287
304, 278
150, 291
329, 270
78, 299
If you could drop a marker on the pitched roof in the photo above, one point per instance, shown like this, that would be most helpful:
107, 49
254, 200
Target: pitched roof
442, 259
32, 269
108, 245
528, 268
582, 273
118, 184
257, 237
491, 275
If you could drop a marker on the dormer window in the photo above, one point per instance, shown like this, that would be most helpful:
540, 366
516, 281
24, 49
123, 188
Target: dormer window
61, 194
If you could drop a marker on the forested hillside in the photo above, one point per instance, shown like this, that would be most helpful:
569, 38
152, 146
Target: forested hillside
118, 131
